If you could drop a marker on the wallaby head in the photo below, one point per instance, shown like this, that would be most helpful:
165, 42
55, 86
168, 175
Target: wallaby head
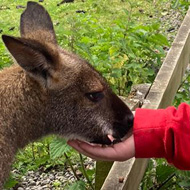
78, 103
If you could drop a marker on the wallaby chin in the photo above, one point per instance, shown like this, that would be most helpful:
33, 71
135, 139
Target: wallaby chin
53, 91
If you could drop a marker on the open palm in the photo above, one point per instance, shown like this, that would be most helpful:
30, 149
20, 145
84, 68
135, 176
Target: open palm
117, 152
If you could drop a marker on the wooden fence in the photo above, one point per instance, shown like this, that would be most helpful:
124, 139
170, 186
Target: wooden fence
128, 175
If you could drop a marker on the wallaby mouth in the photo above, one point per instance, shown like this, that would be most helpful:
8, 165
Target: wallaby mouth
121, 130
104, 140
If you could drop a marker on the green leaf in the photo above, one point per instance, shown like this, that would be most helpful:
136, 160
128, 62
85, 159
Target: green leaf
58, 147
163, 172
90, 173
113, 50
79, 185
11, 182
159, 39
155, 26
185, 184
126, 11
185, 174
176, 4
41, 161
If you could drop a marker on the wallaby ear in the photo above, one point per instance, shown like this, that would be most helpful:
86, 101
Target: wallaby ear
36, 24
31, 56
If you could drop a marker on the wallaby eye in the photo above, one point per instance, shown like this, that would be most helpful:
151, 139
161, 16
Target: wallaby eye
95, 96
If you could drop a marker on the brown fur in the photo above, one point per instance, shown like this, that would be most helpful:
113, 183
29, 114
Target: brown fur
49, 90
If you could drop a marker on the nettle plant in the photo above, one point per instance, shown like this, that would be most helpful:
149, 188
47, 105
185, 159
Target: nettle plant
125, 53
160, 175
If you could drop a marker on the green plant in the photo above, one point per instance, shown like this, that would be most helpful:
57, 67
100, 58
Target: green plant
59, 148
121, 51
47, 153
160, 175
79, 185
57, 184
182, 5
11, 182
183, 93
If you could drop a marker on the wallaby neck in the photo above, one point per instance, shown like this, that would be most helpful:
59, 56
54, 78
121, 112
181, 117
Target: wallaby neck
22, 103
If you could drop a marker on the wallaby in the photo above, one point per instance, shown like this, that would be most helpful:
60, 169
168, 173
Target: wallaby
52, 91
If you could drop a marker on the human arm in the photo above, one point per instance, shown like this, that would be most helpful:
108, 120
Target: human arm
164, 133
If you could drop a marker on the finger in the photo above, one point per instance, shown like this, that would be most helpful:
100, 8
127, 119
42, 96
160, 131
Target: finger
76, 145
102, 153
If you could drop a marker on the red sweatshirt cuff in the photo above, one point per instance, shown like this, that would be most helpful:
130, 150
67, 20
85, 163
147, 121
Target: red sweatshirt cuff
164, 133
149, 133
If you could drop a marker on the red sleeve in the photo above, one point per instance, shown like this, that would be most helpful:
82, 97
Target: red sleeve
164, 133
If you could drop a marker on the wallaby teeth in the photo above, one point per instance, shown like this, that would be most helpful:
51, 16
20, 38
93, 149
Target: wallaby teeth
111, 138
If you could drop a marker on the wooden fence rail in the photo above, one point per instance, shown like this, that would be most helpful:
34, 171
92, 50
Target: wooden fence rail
160, 95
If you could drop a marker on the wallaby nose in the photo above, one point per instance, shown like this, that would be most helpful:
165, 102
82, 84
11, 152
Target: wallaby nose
128, 120
121, 128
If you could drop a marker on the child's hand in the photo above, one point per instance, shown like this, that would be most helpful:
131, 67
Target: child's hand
117, 152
